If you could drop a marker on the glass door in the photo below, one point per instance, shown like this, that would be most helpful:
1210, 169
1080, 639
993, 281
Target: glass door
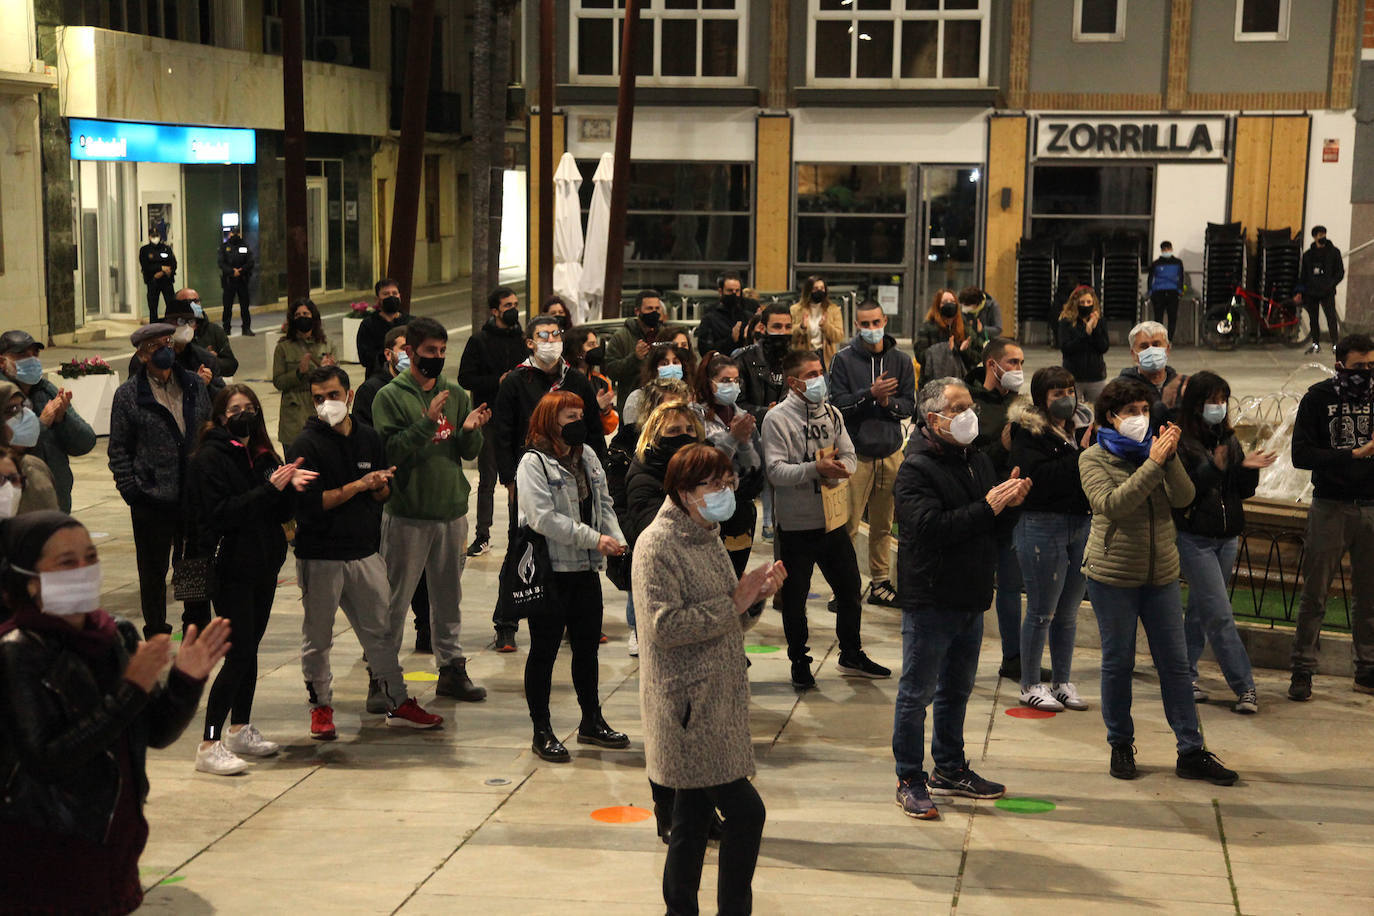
316, 221
949, 214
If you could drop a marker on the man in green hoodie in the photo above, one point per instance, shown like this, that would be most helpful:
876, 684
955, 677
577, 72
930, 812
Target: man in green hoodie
429, 428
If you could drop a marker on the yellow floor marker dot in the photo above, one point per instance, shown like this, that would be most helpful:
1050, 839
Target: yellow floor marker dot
422, 676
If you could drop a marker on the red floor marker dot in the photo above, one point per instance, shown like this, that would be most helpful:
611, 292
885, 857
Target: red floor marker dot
1025, 712
621, 814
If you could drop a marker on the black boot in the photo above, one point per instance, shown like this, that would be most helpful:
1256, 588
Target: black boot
454, 682
594, 730
422, 640
376, 699
547, 745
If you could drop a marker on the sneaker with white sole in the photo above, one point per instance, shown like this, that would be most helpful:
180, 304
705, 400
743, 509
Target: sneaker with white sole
1038, 696
633, 645
249, 742
1247, 703
218, 760
1199, 695
1067, 694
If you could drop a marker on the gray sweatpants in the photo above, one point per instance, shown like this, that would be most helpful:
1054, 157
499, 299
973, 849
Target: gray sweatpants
414, 546
360, 588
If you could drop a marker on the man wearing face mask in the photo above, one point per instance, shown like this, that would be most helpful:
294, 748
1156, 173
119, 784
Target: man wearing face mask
488, 357
235, 273
1164, 283
1333, 437
430, 428
62, 434
805, 450
194, 359
874, 386
723, 325
375, 324
208, 335
338, 563
516, 398
393, 361
1321, 272
629, 345
159, 267
153, 424
950, 508
1150, 348
761, 377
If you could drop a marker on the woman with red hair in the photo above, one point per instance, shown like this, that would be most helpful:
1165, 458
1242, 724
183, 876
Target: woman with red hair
943, 346
563, 495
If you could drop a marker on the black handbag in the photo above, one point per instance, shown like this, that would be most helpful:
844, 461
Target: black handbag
193, 578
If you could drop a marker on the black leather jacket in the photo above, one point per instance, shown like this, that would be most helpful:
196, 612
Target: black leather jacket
59, 724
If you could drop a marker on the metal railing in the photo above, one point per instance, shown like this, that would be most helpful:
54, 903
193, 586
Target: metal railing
1266, 585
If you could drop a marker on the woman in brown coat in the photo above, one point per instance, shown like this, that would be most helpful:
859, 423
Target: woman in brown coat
817, 323
693, 687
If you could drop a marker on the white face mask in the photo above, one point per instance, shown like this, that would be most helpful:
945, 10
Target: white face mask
548, 351
1134, 427
963, 428
183, 334
9, 499
1011, 379
332, 412
67, 592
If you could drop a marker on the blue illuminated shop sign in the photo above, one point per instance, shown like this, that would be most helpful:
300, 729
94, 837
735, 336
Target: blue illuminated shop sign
122, 141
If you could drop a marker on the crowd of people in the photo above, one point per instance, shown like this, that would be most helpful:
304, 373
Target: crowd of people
645, 458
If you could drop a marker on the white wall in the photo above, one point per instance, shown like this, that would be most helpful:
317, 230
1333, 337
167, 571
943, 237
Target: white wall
23, 299
514, 244
16, 38
693, 134
954, 135
1329, 183
1187, 197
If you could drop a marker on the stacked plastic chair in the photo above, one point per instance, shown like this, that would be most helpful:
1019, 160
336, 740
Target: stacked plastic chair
1223, 264
1120, 279
1280, 257
1036, 306
1073, 266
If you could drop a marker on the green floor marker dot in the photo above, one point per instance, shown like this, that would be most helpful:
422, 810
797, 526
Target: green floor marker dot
174, 879
176, 637
1025, 805
760, 650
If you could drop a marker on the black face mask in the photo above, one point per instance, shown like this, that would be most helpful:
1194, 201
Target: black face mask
1354, 384
818, 295
1085, 310
596, 356
242, 424
949, 309
429, 366
775, 345
665, 449
391, 305
574, 433
163, 358
729, 300
651, 319
510, 317
303, 324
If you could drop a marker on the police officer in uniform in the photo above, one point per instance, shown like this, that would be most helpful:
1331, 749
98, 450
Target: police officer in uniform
235, 269
159, 266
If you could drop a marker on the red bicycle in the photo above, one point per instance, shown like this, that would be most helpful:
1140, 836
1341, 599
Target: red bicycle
1251, 317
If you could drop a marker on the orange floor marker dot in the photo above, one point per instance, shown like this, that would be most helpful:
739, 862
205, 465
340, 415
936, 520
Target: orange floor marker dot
621, 814
1025, 712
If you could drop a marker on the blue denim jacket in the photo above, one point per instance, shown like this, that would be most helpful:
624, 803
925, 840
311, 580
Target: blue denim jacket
547, 495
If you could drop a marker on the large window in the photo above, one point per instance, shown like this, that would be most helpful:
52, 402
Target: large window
851, 214
898, 43
1087, 204
679, 42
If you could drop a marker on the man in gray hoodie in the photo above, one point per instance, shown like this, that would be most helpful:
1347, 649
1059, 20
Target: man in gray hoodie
805, 452
874, 386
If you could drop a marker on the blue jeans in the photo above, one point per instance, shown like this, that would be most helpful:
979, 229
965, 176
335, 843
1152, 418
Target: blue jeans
1158, 608
1050, 546
1008, 600
1207, 564
939, 661
630, 609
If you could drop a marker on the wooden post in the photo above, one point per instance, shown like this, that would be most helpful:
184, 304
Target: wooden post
620, 182
293, 124
400, 264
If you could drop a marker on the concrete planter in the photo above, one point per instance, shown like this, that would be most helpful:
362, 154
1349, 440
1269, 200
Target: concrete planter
92, 396
348, 346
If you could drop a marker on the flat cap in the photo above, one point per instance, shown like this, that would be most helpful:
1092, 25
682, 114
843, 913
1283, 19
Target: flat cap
150, 331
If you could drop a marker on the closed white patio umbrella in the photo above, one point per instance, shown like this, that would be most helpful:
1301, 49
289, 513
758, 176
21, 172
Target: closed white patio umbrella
598, 227
567, 237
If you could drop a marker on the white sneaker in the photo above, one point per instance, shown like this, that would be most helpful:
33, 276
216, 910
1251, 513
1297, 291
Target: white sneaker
249, 742
633, 645
1067, 694
218, 760
1199, 695
1039, 697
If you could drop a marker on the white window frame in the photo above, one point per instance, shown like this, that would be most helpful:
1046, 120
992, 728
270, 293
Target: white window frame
656, 14
897, 15
1080, 35
1285, 16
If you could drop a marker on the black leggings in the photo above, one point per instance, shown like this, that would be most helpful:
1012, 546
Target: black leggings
246, 605
575, 603
693, 811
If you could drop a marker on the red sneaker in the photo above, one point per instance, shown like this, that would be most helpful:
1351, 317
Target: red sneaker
410, 715
322, 723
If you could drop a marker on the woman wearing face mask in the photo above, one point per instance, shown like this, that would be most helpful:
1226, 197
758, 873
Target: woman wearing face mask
302, 349
1051, 534
563, 495
672, 426
241, 494
1133, 480
693, 684
1083, 342
584, 352
555, 306
666, 361
37, 490
1223, 476
817, 323
734, 432
80, 704
942, 342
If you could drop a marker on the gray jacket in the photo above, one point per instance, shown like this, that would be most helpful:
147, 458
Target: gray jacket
547, 494
792, 433
876, 430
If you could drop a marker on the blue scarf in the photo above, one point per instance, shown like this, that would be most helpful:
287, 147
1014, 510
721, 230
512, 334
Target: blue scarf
1124, 446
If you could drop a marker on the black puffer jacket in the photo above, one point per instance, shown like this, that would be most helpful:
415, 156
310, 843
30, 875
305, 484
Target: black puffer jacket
643, 495
1048, 460
234, 503
1218, 508
59, 722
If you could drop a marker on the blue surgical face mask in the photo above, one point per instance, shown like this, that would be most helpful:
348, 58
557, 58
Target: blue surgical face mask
403, 363
198, 309
815, 389
727, 393
670, 370
1213, 414
718, 505
1152, 359
872, 335
24, 429
29, 370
